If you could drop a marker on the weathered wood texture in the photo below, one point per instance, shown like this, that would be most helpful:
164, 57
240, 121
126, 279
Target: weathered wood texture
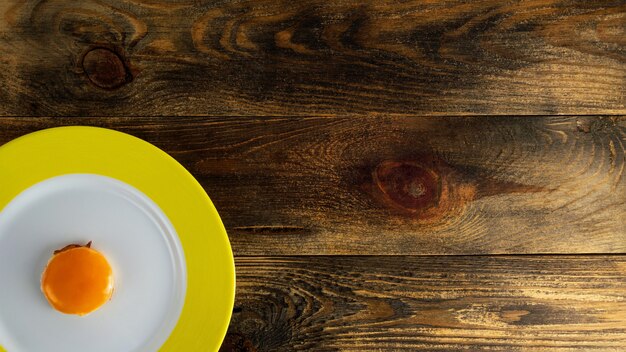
311, 57
400, 185
549, 303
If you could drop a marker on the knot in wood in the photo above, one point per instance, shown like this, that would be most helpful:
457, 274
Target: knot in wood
105, 68
409, 185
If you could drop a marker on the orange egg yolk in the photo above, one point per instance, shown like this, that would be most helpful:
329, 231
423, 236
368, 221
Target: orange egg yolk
77, 280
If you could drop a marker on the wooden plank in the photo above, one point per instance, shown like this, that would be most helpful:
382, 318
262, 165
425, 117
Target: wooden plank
400, 185
549, 303
312, 57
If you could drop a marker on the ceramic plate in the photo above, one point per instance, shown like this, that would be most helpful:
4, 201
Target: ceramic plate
173, 266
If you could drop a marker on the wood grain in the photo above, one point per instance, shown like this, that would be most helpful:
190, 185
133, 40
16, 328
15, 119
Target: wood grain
399, 185
311, 57
548, 303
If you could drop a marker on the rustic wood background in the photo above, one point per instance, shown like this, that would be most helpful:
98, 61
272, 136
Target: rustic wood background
394, 175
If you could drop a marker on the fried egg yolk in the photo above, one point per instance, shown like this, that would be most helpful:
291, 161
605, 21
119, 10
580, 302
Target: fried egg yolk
77, 280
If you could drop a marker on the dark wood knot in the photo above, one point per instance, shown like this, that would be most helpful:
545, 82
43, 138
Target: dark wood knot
236, 342
407, 184
428, 188
105, 68
424, 187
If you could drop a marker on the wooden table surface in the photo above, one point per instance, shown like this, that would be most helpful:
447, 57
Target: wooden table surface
393, 175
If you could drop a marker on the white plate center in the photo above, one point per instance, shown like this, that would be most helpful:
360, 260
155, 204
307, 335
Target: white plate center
128, 228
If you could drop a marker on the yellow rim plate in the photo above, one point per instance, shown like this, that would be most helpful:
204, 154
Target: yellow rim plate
38, 156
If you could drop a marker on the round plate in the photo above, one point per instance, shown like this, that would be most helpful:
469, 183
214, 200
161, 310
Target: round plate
128, 228
130, 164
